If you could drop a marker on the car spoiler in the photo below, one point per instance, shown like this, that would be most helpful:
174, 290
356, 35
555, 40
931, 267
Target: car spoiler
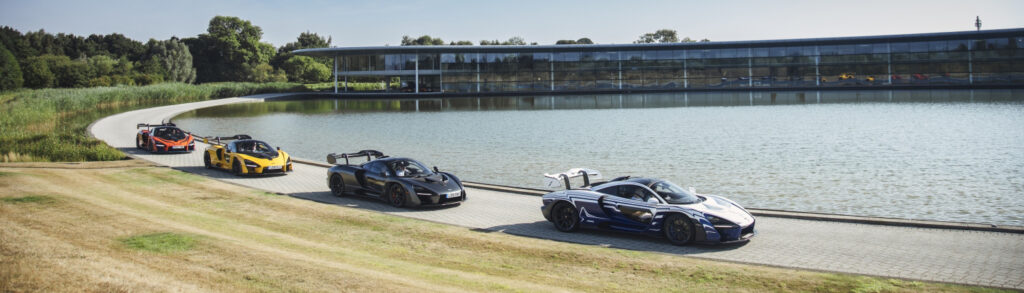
147, 125
369, 154
218, 139
555, 180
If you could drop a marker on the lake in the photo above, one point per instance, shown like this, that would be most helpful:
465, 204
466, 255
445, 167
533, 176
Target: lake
932, 155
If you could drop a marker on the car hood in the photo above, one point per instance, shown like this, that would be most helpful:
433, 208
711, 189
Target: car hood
437, 182
723, 208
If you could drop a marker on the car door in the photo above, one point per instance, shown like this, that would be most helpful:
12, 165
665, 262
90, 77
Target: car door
376, 177
628, 213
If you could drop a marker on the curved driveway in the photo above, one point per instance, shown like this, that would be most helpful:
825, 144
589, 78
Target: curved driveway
943, 255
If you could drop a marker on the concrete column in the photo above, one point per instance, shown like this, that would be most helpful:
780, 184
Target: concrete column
417, 74
686, 78
335, 74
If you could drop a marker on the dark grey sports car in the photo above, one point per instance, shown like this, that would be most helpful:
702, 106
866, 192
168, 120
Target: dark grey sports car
401, 182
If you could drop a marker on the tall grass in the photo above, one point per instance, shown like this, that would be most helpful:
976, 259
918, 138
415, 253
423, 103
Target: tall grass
50, 124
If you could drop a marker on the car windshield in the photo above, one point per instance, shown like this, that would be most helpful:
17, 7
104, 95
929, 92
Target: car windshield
170, 133
674, 194
254, 146
409, 168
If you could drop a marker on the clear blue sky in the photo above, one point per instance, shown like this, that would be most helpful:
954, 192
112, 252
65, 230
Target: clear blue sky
373, 23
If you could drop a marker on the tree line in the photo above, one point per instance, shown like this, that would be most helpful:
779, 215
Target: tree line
230, 50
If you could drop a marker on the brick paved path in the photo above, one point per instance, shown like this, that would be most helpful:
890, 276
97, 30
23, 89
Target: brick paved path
957, 256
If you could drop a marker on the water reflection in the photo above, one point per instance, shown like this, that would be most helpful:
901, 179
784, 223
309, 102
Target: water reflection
609, 101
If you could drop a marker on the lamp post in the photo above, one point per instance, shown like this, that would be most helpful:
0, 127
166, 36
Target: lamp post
977, 22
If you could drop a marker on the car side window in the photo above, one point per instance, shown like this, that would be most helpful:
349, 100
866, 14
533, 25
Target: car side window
231, 147
634, 192
609, 190
374, 168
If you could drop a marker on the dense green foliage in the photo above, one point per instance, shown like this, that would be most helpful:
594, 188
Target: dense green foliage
50, 124
309, 73
173, 60
665, 36
230, 50
513, 41
306, 70
581, 41
10, 71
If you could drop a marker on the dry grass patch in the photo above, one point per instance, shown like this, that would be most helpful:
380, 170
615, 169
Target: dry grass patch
98, 235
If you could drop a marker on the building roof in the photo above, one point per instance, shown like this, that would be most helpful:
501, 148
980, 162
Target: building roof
328, 52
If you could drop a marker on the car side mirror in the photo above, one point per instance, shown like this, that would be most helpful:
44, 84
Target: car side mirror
384, 173
279, 148
653, 200
435, 169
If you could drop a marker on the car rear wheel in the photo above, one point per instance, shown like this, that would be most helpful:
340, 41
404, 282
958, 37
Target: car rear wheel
565, 217
396, 196
206, 160
679, 229
138, 142
236, 168
337, 185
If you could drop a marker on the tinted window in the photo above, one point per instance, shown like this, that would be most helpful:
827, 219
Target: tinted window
674, 194
374, 168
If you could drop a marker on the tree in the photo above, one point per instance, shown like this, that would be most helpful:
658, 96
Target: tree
101, 65
514, 41
581, 41
305, 70
37, 74
424, 40
173, 59
660, 36
229, 51
10, 71
461, 43
265, 73
305, 40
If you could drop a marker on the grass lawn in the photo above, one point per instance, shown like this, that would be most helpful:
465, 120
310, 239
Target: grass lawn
128, 226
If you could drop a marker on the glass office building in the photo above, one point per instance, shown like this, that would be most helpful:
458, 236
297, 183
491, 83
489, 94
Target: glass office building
972, 59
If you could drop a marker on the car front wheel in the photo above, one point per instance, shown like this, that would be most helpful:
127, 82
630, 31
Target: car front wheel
679, 229
236, 168
396, 196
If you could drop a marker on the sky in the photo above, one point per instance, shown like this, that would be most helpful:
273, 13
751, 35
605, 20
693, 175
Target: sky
378, 23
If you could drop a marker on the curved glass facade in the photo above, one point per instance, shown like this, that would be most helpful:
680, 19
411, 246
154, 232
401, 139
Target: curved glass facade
992, 58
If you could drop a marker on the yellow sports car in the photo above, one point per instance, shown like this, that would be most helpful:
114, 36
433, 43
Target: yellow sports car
244, 155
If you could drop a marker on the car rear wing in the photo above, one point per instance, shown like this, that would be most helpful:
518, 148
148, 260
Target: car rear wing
369, 154
147, 125
218, 139
556, 180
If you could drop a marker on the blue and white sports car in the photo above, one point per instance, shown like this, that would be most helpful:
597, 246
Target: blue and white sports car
646, 206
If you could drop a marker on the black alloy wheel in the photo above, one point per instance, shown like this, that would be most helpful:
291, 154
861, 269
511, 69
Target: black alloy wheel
679, 229
337, 185
396, 196
206, 160
236, 168
565, 217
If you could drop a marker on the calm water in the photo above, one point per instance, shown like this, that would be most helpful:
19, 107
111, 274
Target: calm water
934, 156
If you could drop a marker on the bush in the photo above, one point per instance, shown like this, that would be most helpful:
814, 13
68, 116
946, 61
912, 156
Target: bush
147, 79
10, 71
305, 70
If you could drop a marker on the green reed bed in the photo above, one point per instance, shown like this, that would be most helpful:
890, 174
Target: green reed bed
50, 124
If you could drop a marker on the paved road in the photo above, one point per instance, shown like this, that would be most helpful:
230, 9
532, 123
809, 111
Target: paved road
957, 256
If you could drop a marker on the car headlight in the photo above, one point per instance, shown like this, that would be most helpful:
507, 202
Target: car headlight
422, 191
720, 223
251, 164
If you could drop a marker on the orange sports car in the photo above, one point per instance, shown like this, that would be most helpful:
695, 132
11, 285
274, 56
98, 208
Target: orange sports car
164, 138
